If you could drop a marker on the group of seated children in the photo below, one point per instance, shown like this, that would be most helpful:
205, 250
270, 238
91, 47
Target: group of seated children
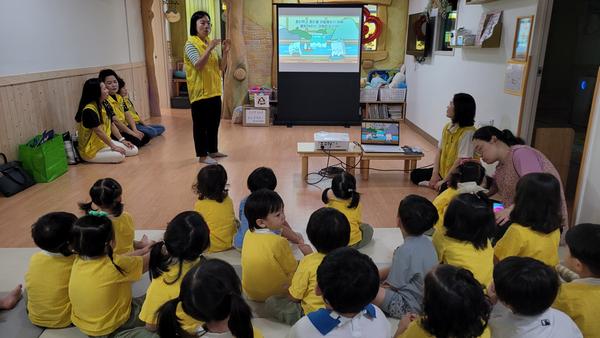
110, 128
456, 285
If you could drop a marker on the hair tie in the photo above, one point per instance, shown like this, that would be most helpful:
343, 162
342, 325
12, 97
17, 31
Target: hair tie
97, 213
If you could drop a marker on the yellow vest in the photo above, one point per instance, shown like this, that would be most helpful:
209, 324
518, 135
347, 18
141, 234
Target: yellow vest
117, 106
89, 142
131, 109
449, 147
205, 83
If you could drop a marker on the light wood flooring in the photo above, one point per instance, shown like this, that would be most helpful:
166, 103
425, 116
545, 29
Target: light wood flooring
158, 182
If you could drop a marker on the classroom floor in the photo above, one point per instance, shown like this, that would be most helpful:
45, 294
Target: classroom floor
158, 182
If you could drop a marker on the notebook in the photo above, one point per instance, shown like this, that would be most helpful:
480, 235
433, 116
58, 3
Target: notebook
380, 136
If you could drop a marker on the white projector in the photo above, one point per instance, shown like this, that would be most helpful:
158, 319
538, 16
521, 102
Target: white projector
331, 141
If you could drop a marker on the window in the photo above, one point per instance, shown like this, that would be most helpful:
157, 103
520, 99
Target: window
373, 44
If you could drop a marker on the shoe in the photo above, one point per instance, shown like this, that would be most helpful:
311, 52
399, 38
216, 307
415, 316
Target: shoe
217, 154
207, 160
423, 184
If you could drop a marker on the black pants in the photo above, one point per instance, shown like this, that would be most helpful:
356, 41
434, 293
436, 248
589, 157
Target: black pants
136, 141
206, 117
420, 175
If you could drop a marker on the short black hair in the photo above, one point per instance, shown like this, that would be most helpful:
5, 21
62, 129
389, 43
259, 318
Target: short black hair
260, 204
470, 217
469, 171
454, 304
52, 232
464, 109
211, 183
583, 241
328, 229
104, 73
417, 214
262, 178
525, 284
348, 279
195, 17
538, 203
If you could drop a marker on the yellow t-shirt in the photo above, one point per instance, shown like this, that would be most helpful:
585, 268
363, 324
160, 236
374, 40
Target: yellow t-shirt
441, 203
524, 242
580, 300
124, 233
415, 330
220, 218
464, 255
267, 265
354, 215
100, 295
47, 285
159, 292
304, 283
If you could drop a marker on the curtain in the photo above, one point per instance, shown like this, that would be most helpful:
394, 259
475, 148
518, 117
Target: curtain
209, 6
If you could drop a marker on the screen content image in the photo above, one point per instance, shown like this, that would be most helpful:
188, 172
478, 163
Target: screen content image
319, 39
380, 133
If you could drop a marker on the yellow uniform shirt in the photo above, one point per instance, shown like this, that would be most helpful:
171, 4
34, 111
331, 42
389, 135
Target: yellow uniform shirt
464, 255
100, 295
47, 285
354, 215
220, 218
580, 300
89, 143
415, 330
441, 203
159, 292
124, 233
118, 107
131, 109
451, 137
524, 242
204, 83
267, 265
304, 283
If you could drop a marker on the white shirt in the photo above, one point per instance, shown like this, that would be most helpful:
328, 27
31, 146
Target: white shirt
550, 324
356, 327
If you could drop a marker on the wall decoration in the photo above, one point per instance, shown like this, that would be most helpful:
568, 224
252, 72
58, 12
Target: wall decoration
515, 77
522, 38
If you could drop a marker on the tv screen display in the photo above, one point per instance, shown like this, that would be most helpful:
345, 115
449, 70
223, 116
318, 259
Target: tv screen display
319, 39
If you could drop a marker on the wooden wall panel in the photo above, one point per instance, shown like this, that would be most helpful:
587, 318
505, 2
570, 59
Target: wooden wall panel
31, 103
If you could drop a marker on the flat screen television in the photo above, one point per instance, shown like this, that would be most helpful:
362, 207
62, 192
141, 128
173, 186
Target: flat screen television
420, 33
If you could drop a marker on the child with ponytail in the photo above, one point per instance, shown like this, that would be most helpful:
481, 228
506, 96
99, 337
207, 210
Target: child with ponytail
185, 239
210, 292
106, 195
347, 200
100, 284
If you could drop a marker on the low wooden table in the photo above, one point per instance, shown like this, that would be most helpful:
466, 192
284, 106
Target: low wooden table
307, 150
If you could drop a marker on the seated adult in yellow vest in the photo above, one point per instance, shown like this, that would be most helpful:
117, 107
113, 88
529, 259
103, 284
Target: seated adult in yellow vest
203, 74
455, 144
151, 130
96, 127
122, 119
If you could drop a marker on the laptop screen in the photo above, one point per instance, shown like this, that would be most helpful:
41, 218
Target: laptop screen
380, 132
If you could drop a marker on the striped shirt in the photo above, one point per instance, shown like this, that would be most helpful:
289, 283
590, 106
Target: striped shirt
192, 52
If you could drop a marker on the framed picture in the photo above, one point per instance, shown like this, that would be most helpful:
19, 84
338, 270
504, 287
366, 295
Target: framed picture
514, 77
522, 38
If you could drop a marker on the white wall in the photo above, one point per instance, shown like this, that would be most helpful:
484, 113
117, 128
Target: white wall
42, 35
588, 211
479, 72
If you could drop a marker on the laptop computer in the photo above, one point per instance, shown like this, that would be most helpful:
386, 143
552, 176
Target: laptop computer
380, 136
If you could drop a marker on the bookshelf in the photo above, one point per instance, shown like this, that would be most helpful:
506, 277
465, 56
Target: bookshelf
395, 110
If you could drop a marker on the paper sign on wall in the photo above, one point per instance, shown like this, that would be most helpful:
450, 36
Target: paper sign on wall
256, 116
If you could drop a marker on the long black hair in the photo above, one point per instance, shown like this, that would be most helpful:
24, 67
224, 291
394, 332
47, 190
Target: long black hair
343, 187
470, 218
211, 182
91, 93
91, 237
454, 304
195, 17
506, 136
105, 194
209, 292
185, 239
538, 203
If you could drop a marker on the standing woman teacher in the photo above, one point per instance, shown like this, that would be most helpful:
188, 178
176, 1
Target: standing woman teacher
203, 74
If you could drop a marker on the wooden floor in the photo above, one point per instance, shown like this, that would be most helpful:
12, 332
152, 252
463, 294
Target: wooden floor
158, 182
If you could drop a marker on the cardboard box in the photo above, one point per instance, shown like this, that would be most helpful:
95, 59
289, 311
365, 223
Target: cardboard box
255, 116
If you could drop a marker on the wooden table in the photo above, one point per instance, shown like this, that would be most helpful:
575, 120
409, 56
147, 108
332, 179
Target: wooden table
307, 150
